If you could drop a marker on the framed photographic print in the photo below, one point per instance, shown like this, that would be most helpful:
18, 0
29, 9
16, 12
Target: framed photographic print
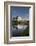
19, 22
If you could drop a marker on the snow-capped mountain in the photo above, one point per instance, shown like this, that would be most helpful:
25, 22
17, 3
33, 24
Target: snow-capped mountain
22, 18
19, 18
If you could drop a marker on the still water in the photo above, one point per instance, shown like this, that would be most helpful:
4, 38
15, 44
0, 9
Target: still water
19, 29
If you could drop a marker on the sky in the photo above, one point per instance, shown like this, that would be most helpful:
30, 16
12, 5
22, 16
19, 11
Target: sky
20, 11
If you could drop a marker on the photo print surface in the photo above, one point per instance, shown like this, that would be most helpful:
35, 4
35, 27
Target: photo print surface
19, 21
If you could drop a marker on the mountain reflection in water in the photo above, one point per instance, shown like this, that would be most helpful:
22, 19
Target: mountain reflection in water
20, 31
